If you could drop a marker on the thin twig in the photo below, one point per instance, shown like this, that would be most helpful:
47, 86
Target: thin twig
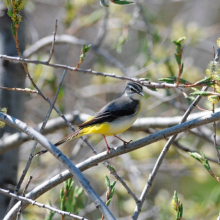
149, 84
23, 194
163, 153
21, 179
114, 173
160, 160
39, 91
53, 43
183, 148
20, 90
30, 201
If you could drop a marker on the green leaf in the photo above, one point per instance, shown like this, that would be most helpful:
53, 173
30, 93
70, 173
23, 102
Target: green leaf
61, 193
190, 99
113, 184
108, 202
83, 48
111, 168
179, 41
182, 68
175, 197
10, 13
112, 193
107, 181
87, 48
179, 50
176, 43
202, 93
208, 81
205, 161
181, 210
205, 80
173, 79
118, 2
168, 80
195, 155
178, 60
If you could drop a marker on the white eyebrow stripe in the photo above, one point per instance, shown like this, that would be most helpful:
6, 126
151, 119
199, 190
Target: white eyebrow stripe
133, 88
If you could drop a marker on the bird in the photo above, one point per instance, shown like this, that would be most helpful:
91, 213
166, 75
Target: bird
114, 118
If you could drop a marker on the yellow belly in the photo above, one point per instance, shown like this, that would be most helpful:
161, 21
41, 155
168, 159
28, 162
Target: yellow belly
113, 128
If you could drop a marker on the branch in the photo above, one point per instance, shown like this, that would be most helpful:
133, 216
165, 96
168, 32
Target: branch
143, 82
30, 201
53, 42
19, 89
142, 124
94, 160
62, 158
160, 159
35, 144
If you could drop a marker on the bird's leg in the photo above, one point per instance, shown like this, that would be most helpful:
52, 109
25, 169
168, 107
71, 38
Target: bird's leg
125, 142
106, 144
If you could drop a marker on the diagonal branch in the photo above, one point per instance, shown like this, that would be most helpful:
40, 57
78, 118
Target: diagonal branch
62, 158
160, 160
94, 160
142, 124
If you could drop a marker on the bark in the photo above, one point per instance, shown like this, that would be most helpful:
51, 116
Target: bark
11, 75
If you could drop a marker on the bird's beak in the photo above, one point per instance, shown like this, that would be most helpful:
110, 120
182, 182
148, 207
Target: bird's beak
141, 93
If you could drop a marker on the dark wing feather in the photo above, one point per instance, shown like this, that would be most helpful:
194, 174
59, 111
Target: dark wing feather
121, 106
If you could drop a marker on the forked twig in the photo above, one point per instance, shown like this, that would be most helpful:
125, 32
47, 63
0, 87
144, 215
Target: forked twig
53, 42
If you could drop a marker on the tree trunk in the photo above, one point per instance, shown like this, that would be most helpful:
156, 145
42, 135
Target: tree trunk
11, 75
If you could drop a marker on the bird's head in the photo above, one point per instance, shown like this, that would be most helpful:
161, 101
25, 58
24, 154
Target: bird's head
134, 90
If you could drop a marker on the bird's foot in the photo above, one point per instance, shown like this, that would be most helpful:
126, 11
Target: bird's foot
109, 149
126, 142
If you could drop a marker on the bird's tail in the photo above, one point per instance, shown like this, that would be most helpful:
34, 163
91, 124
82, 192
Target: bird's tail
75, 134
69, 137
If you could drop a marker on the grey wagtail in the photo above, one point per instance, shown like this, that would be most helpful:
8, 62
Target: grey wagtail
114, 118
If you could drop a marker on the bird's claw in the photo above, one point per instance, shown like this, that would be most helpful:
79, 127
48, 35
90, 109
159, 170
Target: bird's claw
127, 142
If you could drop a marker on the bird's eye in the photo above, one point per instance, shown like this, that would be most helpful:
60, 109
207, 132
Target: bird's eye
132, 89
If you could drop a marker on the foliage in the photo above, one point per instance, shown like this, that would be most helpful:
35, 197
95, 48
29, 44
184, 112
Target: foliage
71, 199
14, 11
143, 44
178, 206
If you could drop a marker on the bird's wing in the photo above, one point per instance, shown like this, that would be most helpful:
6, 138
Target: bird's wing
113, 110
